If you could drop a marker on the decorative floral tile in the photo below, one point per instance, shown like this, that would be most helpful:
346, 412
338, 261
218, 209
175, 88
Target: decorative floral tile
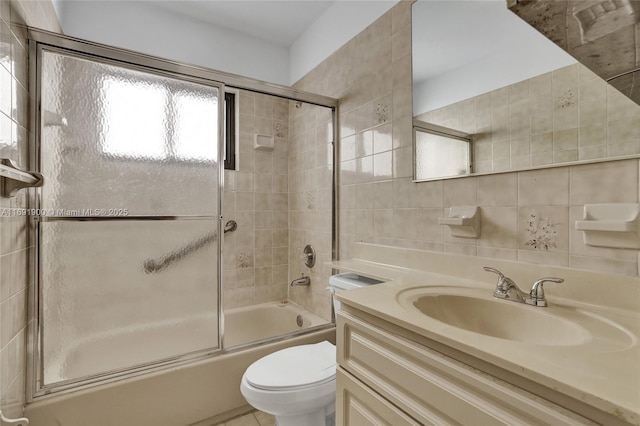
382, 113
540, 231
566, 99
245, 260
310, 201
280, 130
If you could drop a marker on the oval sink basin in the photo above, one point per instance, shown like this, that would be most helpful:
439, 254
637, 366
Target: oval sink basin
502, 319
476, 311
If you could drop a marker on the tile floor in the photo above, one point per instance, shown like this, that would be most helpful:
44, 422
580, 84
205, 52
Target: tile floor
254, 418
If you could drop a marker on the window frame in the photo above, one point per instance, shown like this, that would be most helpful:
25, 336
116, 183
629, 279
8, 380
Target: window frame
231, 131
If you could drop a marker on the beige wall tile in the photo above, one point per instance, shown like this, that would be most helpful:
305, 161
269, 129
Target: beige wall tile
543, 258
460, 192
427, 227
619, 106
544, 187
497, 253
497, 190
461, 249
499, 227
592, 102
604, 265
611, 182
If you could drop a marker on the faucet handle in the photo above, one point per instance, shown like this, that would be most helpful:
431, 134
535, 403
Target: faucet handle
536, 295
494, 270
503, 285
502, 279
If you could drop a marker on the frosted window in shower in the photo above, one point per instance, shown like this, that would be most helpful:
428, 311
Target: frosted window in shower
143, 137
133, 140
194, 123
190, 118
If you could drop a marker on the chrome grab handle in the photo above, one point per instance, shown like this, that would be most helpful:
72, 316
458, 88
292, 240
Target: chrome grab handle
155, 265
536, 295
12, 178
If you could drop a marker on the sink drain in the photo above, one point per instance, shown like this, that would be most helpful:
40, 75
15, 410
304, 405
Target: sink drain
299, 320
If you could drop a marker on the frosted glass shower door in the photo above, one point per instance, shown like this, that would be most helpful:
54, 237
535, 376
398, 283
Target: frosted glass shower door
128, 245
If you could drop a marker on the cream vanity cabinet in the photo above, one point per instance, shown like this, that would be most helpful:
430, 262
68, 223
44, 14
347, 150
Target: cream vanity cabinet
390, 375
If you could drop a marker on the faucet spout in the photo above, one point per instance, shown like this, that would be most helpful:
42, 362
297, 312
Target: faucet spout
306, 281
508, 290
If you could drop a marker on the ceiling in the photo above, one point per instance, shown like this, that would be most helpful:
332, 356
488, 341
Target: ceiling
451, 33
279, 22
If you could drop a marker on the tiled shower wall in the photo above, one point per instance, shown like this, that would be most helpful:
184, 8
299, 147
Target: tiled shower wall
310, 203
526, 216
14, 239
282, 201
569, 114
256, 255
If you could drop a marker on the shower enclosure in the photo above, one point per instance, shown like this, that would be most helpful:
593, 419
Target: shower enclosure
128, 224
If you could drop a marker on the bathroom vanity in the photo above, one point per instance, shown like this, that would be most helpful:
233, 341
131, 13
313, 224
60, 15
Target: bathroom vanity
432, 345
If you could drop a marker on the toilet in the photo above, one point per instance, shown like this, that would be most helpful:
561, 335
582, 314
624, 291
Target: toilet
298, 384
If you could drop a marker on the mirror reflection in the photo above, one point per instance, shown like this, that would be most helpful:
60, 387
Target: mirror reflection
442, 151
479, 69
600, 34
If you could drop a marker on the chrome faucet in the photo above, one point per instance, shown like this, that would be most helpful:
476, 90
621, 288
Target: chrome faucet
301, 281
536, 295
507, 289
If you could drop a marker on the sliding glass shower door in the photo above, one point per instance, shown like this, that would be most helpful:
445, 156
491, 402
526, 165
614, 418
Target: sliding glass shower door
128, 218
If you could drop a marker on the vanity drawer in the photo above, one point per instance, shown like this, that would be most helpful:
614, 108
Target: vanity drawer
358, 405
433, 388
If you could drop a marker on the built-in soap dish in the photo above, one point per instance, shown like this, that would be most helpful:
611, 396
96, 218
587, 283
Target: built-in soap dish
463, 221
611, 225
263, 142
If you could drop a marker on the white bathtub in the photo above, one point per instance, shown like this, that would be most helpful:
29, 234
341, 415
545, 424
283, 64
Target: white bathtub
206, 390
259, 322
139, 344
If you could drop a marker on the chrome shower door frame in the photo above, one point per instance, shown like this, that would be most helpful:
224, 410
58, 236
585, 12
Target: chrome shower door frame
39, 42
39, 39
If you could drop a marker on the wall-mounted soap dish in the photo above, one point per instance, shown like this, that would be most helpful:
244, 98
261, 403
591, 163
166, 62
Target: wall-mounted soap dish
263, 142
463, 221
611, 225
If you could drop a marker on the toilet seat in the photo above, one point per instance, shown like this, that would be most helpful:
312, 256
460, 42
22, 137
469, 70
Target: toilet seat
293, 368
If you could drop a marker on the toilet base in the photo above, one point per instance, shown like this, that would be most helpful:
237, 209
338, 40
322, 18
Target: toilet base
323, 417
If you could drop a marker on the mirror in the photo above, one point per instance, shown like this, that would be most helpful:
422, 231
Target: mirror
480, 69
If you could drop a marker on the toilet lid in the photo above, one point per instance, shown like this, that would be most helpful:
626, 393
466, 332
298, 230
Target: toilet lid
298, 366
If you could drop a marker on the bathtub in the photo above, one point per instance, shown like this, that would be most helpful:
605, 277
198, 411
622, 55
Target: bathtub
200, 392
260, 322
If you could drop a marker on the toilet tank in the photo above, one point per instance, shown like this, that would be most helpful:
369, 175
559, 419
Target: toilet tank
348, 281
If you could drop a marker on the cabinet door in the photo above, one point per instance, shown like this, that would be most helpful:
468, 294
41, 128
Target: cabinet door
432, 387
357, 405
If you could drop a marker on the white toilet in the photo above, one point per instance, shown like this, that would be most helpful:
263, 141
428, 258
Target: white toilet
298, 384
